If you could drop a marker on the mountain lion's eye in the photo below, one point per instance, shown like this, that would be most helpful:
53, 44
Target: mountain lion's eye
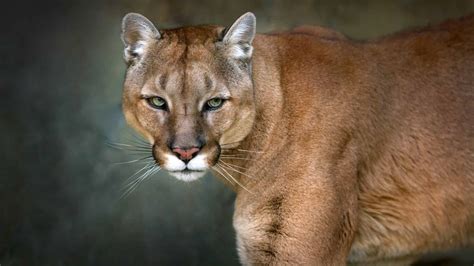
157, 102
214, 103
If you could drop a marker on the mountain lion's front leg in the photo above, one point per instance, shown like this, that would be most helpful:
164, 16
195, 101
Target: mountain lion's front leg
308, 221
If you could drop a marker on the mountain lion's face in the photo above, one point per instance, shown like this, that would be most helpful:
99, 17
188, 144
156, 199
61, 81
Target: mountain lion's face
189, 90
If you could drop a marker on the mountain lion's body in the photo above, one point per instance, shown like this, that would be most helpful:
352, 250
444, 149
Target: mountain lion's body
349, 151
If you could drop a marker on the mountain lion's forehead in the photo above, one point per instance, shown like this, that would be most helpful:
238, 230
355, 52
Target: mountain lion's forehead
193, 79
193, 35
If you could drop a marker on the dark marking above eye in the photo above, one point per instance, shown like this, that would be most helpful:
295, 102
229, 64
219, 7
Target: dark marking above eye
208, 82
163, 80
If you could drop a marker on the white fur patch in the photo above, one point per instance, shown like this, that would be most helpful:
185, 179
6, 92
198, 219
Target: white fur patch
246, 230
240, 51
175, 167
199, 163
172, 163
139, 49
135, 50
187, 176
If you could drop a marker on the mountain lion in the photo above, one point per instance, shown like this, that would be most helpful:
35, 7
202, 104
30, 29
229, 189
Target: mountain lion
340, 151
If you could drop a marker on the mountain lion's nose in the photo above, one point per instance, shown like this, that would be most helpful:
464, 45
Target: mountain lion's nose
186, 154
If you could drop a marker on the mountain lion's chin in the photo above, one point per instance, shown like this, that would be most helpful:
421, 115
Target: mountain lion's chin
187, 175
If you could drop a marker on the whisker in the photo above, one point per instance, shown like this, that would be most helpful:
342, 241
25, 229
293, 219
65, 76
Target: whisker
250, 151
144, 159
235, 158
133, 143
134, 149
228, 152
144, 168
242, 150
223, 175
235, 180
130, 187
135, 183
150, 173
235, 170
224, 144
140, 143
137, 151
236, 166
234, 155
128, 147
137, 138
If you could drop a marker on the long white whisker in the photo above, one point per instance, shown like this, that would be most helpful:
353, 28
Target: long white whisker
138, 153
126, 146
250, 151
135, 183
140, 142
236, 166
144, 168
235, 158
223, 175
235, 170
152, 172
144, 159
138, 138
235, 180
230, 143
242, 150
233, 155
134, 150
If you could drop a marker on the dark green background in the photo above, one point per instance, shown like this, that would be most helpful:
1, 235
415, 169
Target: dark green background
60, 86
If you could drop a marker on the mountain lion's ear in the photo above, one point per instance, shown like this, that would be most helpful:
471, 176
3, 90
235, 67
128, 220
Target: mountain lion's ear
240, 35
137, 32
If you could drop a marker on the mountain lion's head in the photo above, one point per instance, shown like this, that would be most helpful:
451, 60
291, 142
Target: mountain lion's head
189, 90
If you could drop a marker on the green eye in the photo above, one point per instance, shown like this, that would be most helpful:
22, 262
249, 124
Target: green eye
214, 103
157, 102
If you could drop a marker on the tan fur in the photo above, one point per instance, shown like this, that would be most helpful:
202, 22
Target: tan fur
357, 152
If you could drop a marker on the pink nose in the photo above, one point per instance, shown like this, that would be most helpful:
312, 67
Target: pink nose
186, 154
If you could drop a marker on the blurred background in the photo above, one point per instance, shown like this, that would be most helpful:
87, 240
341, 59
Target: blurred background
61, 73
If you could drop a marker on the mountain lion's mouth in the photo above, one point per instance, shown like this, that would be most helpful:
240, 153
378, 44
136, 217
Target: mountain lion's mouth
187, 170
187, 175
